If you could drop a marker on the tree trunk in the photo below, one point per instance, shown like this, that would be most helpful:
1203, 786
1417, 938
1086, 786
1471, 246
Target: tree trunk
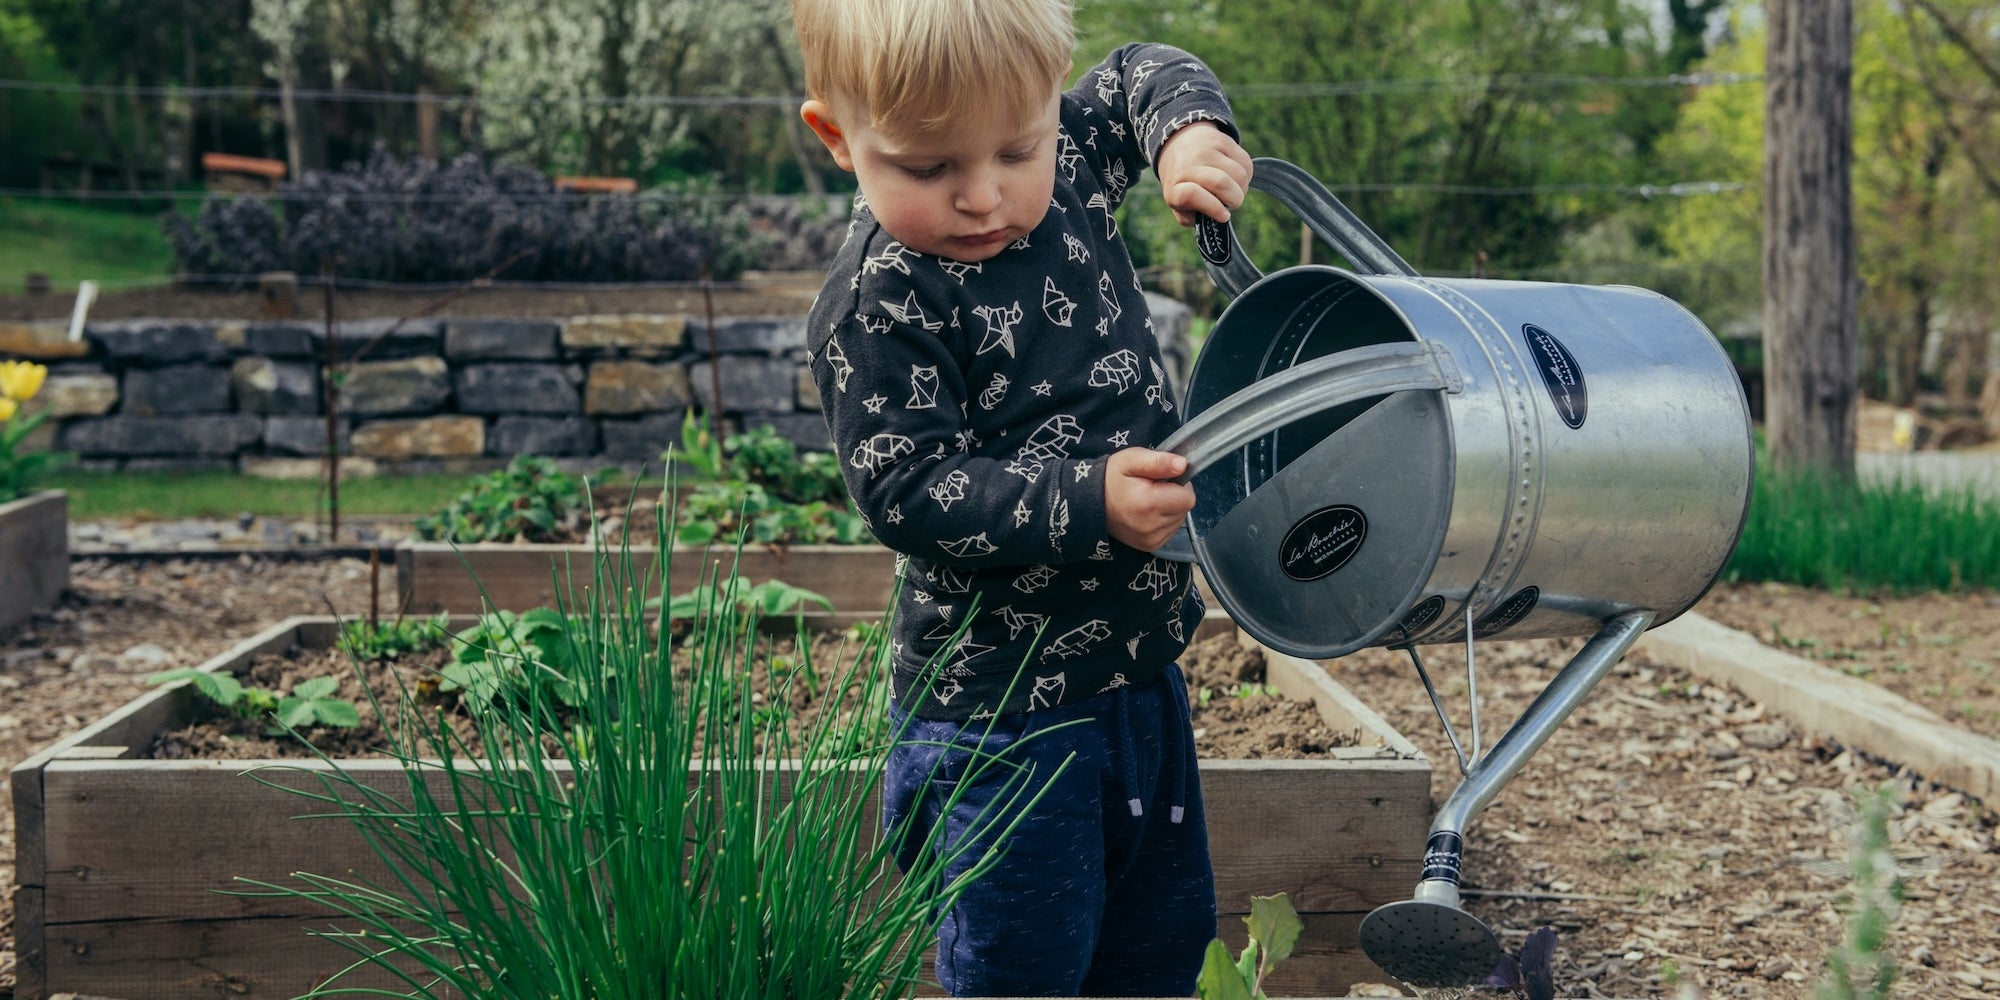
427, 124
1809, 272
289, 108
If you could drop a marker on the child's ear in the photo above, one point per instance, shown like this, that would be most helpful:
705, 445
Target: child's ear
819, 117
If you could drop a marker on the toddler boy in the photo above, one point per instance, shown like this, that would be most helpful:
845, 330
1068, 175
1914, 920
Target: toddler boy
992, 384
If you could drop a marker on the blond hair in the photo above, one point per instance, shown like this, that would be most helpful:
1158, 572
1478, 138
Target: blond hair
916, 65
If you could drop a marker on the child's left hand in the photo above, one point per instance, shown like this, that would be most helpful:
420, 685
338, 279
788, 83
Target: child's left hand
1202, 172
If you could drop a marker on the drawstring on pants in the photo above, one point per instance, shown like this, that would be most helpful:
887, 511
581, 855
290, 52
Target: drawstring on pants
1177, 687
1127, 754
1172, 765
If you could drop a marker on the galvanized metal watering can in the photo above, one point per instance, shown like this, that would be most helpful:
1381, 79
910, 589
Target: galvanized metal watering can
1384, 459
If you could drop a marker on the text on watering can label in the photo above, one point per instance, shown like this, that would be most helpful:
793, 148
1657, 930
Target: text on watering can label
1322, 541
1560, 375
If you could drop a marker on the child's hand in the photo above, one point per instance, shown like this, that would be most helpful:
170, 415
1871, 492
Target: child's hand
1142, 503
1202, 172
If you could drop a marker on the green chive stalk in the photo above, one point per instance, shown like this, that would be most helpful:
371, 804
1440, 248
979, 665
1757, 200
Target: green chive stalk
652, 839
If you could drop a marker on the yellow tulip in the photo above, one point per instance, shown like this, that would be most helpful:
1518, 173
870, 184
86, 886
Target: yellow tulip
7, 408
20, 380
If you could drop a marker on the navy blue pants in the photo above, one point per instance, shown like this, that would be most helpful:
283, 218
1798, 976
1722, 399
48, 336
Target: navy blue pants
1104, 888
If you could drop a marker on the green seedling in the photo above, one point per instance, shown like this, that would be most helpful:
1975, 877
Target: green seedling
768, 599
1274, 930
531, 499
388, 640
1862, 967
310, 704
761, 487
506, 653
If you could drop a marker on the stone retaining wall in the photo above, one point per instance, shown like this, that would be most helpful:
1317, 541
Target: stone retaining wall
435, 395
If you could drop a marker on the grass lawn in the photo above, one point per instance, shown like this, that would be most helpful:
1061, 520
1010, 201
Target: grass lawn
70, 243
165, 496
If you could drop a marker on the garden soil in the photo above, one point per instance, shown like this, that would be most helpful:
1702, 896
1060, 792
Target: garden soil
1682, 839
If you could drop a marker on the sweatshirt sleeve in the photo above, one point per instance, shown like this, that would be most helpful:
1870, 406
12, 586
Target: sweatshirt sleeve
1136, 99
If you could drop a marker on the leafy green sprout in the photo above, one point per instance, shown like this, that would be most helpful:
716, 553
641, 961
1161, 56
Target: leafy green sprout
311, 702
530, 499
1862, 968
1244, 690
759, 485
507, 653
1274, 930
388, 640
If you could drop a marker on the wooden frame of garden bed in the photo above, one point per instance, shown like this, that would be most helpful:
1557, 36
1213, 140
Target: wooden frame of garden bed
465, 579
34, 554
123, 865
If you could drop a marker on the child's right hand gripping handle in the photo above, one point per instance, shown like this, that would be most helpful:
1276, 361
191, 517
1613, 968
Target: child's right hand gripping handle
1322, 213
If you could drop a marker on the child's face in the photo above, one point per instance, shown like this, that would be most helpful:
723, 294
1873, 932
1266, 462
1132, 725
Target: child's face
964, 191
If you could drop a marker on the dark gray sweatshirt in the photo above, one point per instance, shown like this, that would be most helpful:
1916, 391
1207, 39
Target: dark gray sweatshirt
973, 407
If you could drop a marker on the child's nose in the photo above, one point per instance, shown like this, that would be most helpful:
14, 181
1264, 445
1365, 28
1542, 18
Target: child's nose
979, 195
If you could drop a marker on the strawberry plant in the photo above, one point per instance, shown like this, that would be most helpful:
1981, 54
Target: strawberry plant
531, 500
398, 637
760, 485
311, 703
505, 653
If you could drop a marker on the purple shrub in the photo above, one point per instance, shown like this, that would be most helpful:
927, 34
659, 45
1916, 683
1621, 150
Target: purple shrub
409, 221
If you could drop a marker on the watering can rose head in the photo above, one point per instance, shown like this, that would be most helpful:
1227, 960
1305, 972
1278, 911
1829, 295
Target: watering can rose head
19, 382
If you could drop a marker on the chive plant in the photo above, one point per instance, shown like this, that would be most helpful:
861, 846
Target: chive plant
653, 839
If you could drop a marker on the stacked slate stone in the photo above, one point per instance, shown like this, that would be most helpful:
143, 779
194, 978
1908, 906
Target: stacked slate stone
428, 395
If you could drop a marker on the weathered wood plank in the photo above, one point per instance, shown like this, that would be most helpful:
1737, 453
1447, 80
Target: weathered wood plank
1337, 835
192, 959
31, 953
433, 577
271, 959
34, 554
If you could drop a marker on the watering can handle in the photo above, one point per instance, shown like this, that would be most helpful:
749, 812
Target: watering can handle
1317, 208
1301, 391
1308, 388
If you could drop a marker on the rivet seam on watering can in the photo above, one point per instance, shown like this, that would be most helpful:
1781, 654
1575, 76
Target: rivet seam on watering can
1322, 542
1500, 571
1560, 375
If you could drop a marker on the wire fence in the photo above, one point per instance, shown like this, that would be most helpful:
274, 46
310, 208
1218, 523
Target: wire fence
1675, 189
1282, 91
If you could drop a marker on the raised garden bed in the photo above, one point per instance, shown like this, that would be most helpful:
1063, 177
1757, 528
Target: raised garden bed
123, 864
34, 554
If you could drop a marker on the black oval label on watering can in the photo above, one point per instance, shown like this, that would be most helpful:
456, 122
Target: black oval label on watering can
1421, 617
1508, 614
1560, 375
1322, 541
